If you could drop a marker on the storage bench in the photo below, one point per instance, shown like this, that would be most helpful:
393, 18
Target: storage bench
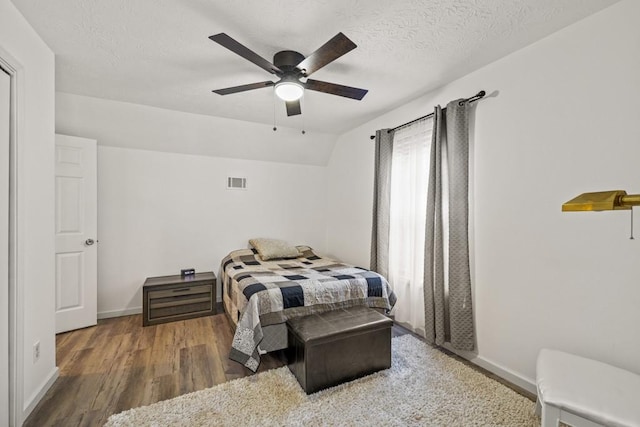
333, 347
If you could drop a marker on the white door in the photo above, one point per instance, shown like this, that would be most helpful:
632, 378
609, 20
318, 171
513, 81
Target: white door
76, 229
5, 103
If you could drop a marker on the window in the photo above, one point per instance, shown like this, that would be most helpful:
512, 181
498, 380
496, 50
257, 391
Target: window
408, 205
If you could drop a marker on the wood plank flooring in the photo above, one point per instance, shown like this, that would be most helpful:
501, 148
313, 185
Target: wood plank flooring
118, 365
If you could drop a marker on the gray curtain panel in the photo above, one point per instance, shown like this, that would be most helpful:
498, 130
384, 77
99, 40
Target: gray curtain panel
449, 311
460, 308
381, 201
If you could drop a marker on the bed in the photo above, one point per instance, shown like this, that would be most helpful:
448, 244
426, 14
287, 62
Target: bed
259, 296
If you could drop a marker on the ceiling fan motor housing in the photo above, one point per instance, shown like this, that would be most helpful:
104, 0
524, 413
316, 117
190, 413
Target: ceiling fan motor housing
287, 60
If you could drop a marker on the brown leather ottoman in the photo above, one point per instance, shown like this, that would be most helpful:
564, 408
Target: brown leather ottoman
330, 348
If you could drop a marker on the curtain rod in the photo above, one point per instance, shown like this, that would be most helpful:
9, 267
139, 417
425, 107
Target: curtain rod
475, 97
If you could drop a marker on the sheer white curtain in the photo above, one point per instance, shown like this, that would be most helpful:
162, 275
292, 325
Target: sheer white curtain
409, 180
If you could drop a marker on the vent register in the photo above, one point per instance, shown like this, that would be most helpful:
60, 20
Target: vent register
234, 183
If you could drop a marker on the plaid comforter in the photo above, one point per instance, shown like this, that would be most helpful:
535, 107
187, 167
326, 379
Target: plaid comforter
264, 293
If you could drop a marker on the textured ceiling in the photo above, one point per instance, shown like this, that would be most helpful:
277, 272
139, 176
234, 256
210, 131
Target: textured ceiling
156, 52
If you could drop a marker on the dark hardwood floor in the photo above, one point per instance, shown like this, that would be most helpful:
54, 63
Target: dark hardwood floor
118, 365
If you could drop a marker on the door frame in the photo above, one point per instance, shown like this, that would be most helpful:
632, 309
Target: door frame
16, 302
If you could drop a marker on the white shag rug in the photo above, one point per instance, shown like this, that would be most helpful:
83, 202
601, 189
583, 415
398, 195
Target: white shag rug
423, 387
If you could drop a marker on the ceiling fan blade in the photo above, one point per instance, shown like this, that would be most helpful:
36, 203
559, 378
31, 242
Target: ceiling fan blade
336, 89
236, 89
328, 52
293, 108
239, 49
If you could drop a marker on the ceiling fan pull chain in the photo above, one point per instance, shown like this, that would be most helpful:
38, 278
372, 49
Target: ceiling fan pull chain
274, 114
303, 131
631, 237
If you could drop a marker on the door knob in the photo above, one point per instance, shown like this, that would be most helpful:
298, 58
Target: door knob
89, 242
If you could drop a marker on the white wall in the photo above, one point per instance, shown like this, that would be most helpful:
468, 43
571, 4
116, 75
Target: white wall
159, 212
564, 121
21, 46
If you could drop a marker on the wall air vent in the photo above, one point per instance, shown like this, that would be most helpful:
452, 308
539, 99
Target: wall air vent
236, 183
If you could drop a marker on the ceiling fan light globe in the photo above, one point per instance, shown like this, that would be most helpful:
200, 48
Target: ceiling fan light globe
289, 91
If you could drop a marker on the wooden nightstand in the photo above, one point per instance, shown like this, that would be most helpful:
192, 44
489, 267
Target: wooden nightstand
170, 298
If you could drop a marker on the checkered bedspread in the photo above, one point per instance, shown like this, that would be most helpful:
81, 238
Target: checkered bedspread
259, 293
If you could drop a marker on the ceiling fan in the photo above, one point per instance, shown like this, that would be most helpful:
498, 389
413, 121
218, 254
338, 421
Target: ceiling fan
291, 67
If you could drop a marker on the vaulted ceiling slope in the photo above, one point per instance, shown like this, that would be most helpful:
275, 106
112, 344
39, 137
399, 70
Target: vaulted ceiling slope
157, 52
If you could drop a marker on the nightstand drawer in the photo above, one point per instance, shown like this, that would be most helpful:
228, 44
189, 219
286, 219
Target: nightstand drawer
175, 310
184, 300
185, 290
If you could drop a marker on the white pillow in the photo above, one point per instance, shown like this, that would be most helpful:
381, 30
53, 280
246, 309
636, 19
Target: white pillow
274, 248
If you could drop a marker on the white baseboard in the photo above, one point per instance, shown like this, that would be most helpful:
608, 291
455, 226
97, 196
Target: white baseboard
118, 313
35, 398
514, 378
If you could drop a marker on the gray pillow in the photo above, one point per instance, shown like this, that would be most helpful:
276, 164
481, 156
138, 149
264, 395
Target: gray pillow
274, 248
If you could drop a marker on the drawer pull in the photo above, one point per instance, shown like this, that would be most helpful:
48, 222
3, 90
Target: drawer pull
181, 290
